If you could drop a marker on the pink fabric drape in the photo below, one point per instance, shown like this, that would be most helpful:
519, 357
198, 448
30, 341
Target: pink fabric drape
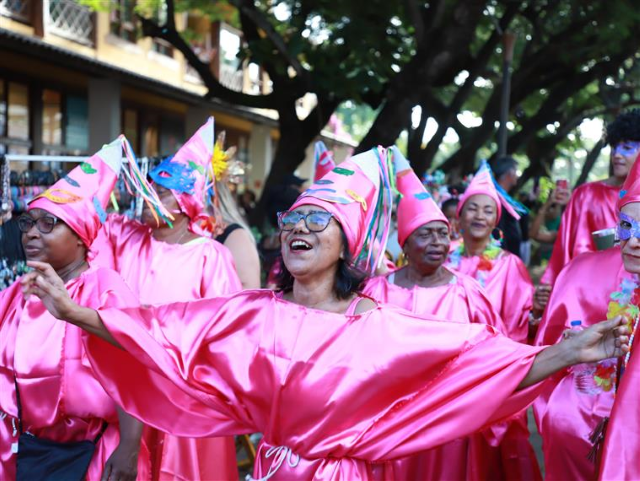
61, 398
478, 456
333, 394
159, 273
592, 207
566, 416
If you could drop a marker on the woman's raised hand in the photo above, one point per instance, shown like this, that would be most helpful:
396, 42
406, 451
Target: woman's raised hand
601, 341
44, 283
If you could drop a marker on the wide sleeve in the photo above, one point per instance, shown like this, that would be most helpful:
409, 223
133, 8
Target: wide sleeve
167, 376
475, 390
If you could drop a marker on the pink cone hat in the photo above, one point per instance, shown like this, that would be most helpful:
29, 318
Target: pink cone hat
186, 174
482, 183
631, 188
358, 194
81, 197
324, 162
416, 207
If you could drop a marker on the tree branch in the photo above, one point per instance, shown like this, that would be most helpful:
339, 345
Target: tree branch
215, 88
171, 14
247, 8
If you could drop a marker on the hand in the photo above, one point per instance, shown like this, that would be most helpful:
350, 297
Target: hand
44, 283
122, 465
601, 341
541, 298
560, 196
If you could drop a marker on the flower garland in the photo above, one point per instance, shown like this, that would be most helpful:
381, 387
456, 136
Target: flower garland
485, 265
625, 303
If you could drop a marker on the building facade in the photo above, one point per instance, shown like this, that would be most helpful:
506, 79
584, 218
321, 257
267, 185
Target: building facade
73, 79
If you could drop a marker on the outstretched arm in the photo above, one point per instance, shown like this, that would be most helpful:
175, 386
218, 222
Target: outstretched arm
601, 341
44, 283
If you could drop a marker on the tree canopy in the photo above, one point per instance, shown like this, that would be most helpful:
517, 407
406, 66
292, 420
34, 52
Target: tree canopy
573, 60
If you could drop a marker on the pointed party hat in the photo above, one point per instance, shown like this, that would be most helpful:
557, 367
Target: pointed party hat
324, 162
484, 183
631, 188
80, 197
359, 193
416, 207
185, 174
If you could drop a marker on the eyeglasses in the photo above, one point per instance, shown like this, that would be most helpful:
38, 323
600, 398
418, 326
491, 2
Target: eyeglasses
315, 221
44, 224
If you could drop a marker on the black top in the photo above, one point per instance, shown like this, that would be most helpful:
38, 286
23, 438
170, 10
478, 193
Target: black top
227, 231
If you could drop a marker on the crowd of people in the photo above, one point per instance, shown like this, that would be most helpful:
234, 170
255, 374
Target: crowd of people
137, 348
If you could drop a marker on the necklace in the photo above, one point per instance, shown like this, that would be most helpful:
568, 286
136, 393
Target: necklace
491, 252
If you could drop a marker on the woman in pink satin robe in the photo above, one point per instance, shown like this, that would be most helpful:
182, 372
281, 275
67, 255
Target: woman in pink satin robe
565, 415
426, 288
164, 264
593, 206
338, 384
504, 277
61, 399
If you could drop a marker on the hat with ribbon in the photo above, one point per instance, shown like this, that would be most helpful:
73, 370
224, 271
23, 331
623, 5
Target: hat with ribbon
483, 183
359, 193
80, 197
185, 174
630, 191
324, 162
416, 206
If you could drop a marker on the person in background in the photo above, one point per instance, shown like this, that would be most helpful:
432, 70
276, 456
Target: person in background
593, 205
574, 405
60, 397
339, 385
165, 260
231, 229
514, 230
545, 225
449, 209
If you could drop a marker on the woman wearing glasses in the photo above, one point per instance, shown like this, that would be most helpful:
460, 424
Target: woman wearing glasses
338, 384
170, 261
60, 397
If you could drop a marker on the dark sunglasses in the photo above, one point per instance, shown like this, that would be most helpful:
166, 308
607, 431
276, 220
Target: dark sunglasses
44, 224
315, 221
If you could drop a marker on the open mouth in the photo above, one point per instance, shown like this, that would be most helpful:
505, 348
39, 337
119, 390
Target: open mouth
299, 245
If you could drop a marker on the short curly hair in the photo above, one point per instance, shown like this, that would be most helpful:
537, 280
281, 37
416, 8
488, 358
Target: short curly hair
626, 126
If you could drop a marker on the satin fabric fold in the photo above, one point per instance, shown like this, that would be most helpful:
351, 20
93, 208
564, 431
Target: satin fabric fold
477, 457
620, 458
61, 398
159, 273
564, 415
332, 394
508, 287
592, 207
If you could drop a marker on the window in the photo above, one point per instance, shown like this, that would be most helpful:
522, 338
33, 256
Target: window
14, 118
76, 123
162, 47
51, 117
151, 141
123, 20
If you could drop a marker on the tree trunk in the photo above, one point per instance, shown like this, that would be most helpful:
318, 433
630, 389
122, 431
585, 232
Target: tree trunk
589, 162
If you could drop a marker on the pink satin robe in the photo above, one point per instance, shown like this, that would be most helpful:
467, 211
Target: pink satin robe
592, 207
566, 416
477, 456
620, 459
335, 396
61, 398
510, 290
160, 273
508, 287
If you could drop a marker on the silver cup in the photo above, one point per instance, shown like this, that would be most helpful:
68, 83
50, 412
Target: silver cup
604, 239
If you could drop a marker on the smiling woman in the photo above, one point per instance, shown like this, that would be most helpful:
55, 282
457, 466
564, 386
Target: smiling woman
337, 387
60, 397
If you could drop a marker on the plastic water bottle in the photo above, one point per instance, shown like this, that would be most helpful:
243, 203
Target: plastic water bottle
583, 373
